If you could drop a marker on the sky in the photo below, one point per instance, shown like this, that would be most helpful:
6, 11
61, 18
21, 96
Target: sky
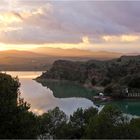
89, 25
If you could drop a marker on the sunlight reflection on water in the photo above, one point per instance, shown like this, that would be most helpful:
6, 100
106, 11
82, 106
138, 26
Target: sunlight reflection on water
42, 99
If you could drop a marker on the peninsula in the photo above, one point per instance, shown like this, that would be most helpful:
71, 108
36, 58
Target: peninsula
116, 77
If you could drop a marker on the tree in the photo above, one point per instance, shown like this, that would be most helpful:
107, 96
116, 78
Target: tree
50, 122
134, 82
135, 128
89, 113
80, 119
93, 81
103, 125
15, 120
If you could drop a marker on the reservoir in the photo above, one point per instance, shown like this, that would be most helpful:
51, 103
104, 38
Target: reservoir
67, 96
42, 98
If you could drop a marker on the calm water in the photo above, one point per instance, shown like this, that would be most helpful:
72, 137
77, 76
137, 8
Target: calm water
42, 98
67, 96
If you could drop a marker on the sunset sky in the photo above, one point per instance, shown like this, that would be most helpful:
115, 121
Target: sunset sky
110, 26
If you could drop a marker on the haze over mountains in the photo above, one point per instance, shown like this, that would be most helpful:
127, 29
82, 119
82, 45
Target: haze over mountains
42, 58
17, 53
76, 53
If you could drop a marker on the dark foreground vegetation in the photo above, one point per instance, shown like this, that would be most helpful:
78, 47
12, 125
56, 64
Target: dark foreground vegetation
16, 121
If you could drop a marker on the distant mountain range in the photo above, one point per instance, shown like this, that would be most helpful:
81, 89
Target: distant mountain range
16, 53
42, 58
77, 53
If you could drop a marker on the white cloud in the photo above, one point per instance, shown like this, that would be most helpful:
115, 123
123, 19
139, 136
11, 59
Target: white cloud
121, 38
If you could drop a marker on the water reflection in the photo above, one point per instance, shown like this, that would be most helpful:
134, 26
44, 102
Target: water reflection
66, 96
66, 89
42, 98
129, 106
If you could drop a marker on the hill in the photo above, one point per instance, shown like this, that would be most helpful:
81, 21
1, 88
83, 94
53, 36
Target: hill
113, 74
14, 60
28, 60
17, 53
43, 58
102, 55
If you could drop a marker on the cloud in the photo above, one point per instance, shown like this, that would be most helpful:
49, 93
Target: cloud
69, 22
122, 38
7, 18
85, 40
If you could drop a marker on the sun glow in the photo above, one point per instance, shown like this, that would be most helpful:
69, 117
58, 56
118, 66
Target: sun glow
33, 46
8, 18
82, 45
85, 40
18, 46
